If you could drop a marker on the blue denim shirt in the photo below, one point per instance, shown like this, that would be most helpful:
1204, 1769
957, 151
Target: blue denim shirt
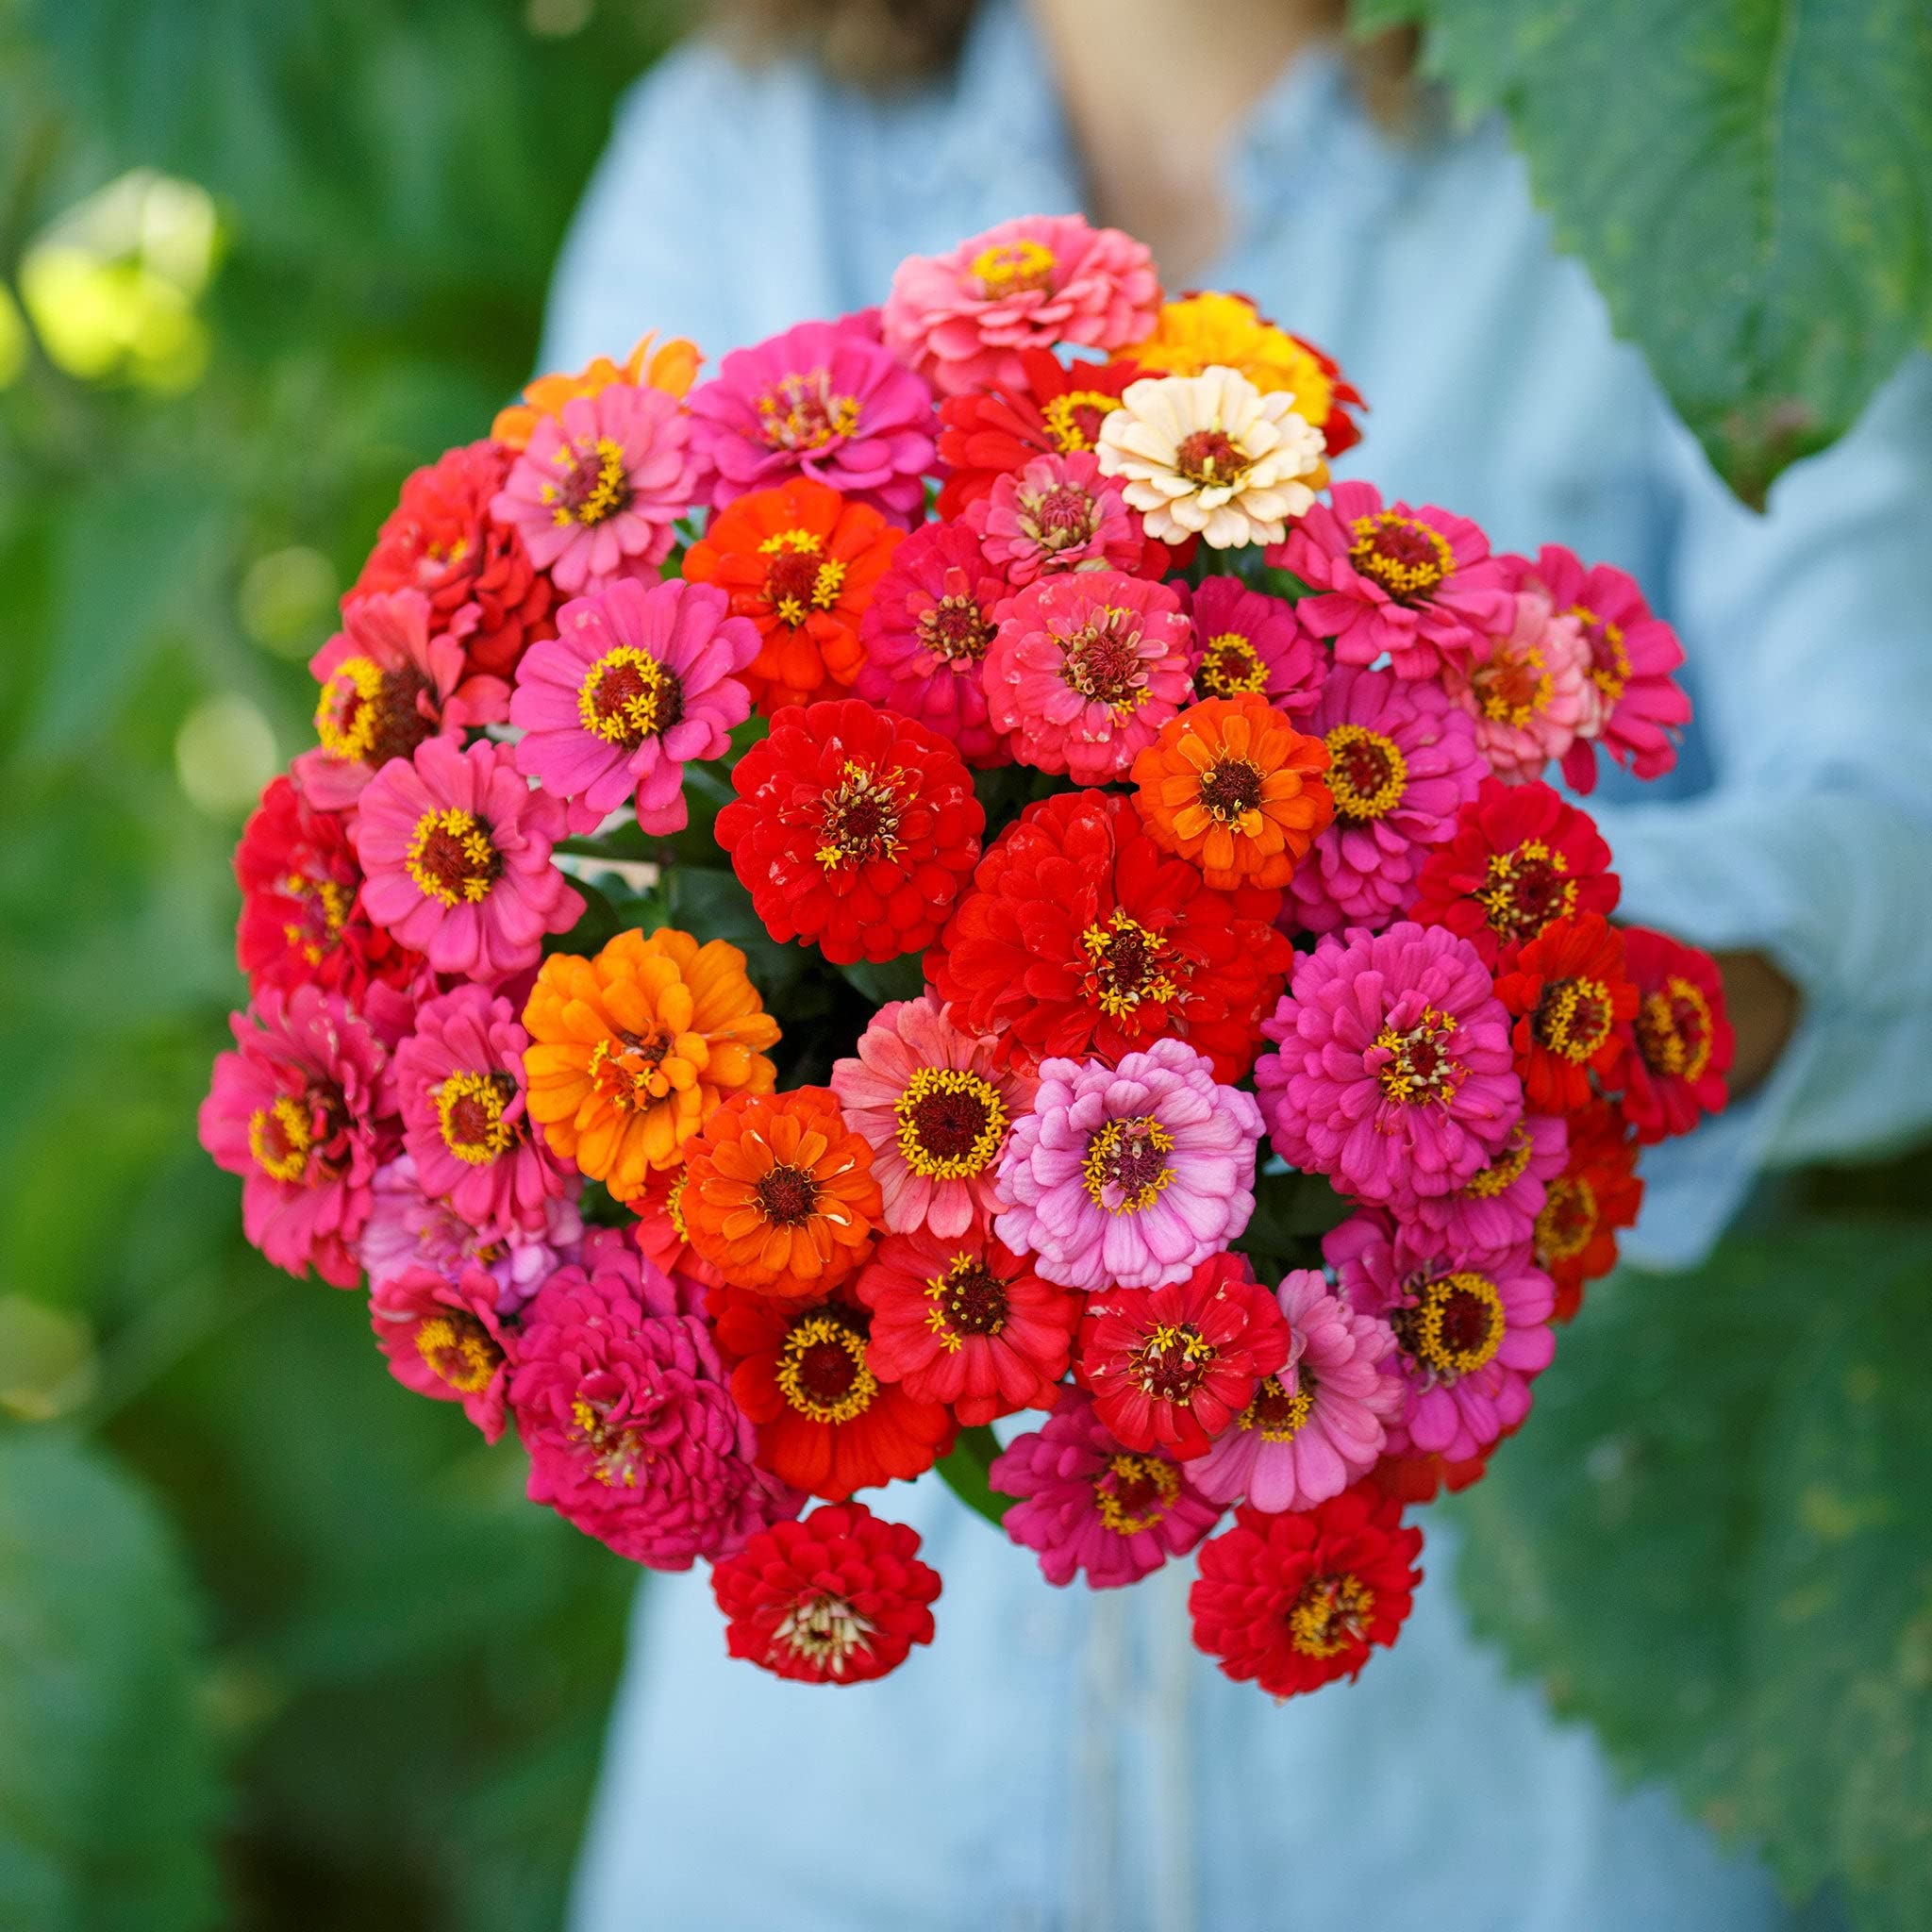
1062, 1759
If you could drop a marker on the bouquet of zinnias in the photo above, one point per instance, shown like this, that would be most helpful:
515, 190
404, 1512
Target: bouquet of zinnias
1268, 1078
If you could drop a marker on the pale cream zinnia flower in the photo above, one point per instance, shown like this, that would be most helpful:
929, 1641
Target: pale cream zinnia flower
1210, 455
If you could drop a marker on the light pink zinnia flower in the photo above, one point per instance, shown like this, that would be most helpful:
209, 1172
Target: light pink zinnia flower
1497, 1205
1471, 1332
599, 486
1395, 1074
1059, 513
1532, 695
1086, 670
960, 319
1129, 1175
1401, 762
1319, 1423
388, 684
637, 684
936, 1110
443, 1339
825, 401
1086, 1504
454, 849
1247, 642
1419, 584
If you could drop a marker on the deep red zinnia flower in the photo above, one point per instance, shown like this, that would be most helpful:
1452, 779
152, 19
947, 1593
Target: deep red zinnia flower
835, 1599
1421, 1479
1292, 1602
1680, 1040
853, 828
1079, 936
1573, 1001
1598, 1193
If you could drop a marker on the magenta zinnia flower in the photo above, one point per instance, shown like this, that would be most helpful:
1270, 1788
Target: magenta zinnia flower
1247, 642
825, 401
1127, 1176
1318, 1422
637, 684
443, 1339
1086, 670
1532, 695
1086, 1504
599, 486
1058, 514
1394, 1074
1401, 762
1471, 1332
454, 849
1497, 1205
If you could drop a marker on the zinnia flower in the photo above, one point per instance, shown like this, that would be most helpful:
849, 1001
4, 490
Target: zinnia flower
1497, 1205
1295, 1601
1573, 1000
1401, 762
801, 563
1233, 787
1419, 584
454, 849
1056, 515
854, 829
1531, 694
1316, 1424
1085, 670
443, 1340
1088, 1504
1680, 1041
1081, 937
1394, 1071
636, 684
962, 319
661, 1233
781, 1195
599, 486
670, 365
1245, 641
1128, 1176
304, 1111
935, 1106
966, 1321
1598, 1193
820, 401
840, 1598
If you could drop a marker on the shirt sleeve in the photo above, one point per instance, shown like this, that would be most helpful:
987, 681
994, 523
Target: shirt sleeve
1806, 631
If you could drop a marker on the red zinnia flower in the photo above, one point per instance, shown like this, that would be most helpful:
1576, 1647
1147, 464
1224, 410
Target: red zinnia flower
1171, 1367
1680, 1043
1597, 1192
1573, 1002
1081, 937
853, 828
1420, 1478
1296, 1600
1519, 859
835, 1599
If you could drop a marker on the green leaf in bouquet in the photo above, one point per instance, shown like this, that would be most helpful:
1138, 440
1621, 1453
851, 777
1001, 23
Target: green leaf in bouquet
1293, 1212
965, 1471
903, 978
713, 906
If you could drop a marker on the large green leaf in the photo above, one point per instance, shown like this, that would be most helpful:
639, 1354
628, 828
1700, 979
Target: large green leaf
1715, 1541
1749, 181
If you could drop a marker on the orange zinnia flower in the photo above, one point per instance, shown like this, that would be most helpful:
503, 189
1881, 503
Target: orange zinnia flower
632, 1051
781, 1197
1233, 786
801, 563
672, 366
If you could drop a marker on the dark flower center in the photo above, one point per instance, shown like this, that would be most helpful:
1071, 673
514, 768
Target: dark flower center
1231, 790
787, 1194
956, 630
1172, 1362
1212, 458
452, 860
1103, 661
1525, 890
1403, 554
973, 1298
1573, 1018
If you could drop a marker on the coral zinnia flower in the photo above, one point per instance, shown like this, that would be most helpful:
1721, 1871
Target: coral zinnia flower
1056, 515
854, 829
443, 1339
670, 365
801, 563
967, 1322
1292, 1602
826, 1424
661, 1235
1531, 694
840, 1598
1233, 787
631, 1050
1573, 1000
1680, 1041
1598, 1192
1080, 936
781, 1195
1245, 641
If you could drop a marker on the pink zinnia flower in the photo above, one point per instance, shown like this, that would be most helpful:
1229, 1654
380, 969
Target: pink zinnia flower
454, 849
1058, 514
1471, 1332
636, 684
961, 319
1419, 584
1401, 762
926, 631
304, 1111
1127, 1176
1497, 1205
1086, 1504
1247, 642
1086, 670
1532, 695
935, 1109
626, 1410
599, 486
1318, 1422
825, 401
1395, 1076
443, 1339
387, 684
